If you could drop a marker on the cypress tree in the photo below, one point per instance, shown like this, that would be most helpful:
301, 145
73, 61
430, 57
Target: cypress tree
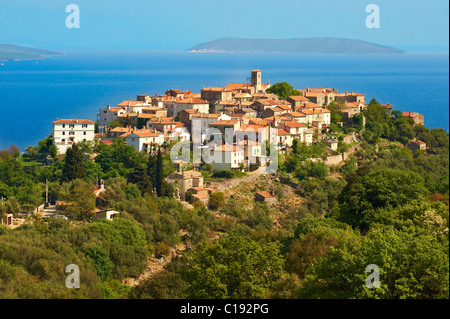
159, 174
73, 164
151, 169
139, 177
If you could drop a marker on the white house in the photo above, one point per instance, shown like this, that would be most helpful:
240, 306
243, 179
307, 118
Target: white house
228, 157
67, 132
284, 138
295, 130
180, 133
142, 140
133, 106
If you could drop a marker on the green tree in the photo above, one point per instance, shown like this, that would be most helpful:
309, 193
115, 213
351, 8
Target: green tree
73, 164
412, 266
366, 192
100, 259
163, 285
159, 174
283, 90
139, 177
235, 267
216, 200
115, 123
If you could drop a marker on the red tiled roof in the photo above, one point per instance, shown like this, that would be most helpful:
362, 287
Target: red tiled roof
76, 121
294, 124
298, 98
130, 103
224, 122
228, 148
265, 194
282, 132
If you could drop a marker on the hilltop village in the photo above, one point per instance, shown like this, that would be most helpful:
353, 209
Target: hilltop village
237, 122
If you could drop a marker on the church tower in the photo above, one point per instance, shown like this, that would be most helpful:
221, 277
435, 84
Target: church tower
256, 79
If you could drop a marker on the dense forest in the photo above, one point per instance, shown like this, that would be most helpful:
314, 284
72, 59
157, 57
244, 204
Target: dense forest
385, 205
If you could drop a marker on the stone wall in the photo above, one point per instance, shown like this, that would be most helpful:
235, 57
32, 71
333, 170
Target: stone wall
221, 186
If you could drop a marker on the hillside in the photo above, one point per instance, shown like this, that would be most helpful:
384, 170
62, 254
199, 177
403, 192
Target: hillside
15, 52
299, 46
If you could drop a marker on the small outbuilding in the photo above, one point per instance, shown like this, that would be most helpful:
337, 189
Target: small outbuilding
8, 219
265, 196
105, 214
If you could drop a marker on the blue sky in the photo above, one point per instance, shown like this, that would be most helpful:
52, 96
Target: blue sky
178, 25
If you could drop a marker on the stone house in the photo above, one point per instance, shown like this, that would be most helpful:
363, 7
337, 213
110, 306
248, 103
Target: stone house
265, 196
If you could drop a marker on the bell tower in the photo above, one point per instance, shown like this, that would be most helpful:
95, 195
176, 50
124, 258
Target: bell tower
256, 79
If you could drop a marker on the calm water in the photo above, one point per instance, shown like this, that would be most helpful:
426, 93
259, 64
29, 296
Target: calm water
76, 85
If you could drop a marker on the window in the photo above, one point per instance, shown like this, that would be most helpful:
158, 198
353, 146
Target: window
71, 133
84, 125
71, 125
64, 125
84, 133
63, 133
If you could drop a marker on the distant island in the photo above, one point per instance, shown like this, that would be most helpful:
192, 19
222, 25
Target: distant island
10, 52
300, 46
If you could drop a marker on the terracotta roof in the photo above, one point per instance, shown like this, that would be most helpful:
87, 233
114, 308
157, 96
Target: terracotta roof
224, 122
206, 115
252, 127
145, 134
283, 132
284, 107
309, 105
298, 98
228, 103
237, 86
163, 120
296, 114
146, 115
76, 121
191, 100
294, 124
107, 142
258, 121
242, 95
410, 114
120, 129
130, 103
190, 111
217, 89
128, 114
116, 109
228, 148
265, 194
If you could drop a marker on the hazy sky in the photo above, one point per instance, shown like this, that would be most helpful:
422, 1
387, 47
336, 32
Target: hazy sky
180, 24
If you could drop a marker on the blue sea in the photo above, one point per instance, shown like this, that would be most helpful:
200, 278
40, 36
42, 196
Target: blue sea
77, 84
